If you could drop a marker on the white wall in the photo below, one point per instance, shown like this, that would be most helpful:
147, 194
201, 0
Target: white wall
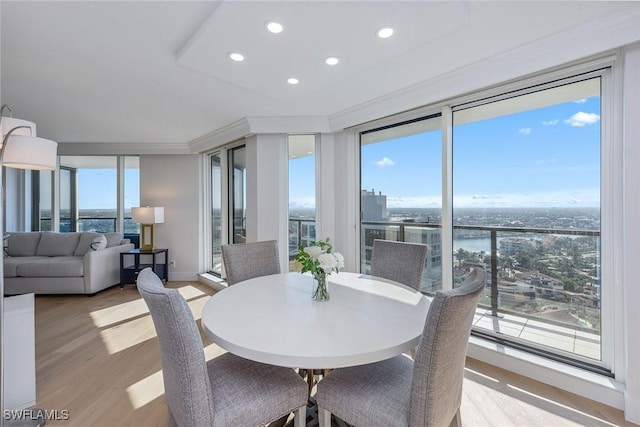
175, 182
631, 137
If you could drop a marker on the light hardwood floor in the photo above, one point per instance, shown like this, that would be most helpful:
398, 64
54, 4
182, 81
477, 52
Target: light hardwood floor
97, 357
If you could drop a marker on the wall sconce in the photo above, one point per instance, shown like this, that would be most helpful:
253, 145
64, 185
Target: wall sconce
147, 217
21, 149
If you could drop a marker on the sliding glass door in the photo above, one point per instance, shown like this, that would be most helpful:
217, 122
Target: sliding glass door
526, 209
401, 191
216, 213
302, 193
522, 170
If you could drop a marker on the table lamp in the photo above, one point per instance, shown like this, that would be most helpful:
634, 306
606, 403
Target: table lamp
147, 216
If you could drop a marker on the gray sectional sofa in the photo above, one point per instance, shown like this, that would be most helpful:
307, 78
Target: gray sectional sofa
62, 263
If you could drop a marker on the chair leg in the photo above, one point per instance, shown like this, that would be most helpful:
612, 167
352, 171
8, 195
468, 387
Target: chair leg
300, 417
413, 353
457, 419
324, 417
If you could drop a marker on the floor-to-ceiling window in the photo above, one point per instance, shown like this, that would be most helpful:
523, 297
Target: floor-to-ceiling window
131, 192
237, 194
88, 194
96, 192
216, 216
42, 202
401, 190
302, 193
526, 209
522, 173
68, 201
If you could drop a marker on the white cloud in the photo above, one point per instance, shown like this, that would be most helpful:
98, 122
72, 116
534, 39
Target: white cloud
525, 131
550, 122
302, 203
384, 162
414, 202
569, 198
582, 119
580, 101
545, 161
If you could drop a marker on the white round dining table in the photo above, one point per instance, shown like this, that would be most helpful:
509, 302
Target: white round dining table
273, 319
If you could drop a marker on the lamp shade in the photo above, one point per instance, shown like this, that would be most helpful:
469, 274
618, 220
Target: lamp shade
30, 152
8, 123
147, 215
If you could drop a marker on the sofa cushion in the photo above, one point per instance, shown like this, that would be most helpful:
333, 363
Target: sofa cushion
60, 266
11, 264
84, 244
58, 244
113, 239
23, 244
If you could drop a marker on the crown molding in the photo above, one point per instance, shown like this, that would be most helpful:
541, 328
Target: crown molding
231, 132
259, 125
289, 124
120, 148
592, 38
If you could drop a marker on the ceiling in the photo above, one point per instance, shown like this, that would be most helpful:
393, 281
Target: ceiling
157, 72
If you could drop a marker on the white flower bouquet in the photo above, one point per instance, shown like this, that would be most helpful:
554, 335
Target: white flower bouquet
320, 260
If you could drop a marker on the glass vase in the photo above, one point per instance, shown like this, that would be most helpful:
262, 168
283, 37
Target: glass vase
320, 292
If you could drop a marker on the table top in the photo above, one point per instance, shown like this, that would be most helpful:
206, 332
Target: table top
273, 319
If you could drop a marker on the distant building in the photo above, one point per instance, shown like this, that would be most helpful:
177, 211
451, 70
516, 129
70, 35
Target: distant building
374, 209
547, 287
512, 245
373, 206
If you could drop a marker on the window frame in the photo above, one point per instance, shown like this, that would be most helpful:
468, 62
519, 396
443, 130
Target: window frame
611, 191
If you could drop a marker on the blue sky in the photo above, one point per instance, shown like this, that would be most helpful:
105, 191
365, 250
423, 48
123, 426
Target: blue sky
97, 188
302, 178
538, 158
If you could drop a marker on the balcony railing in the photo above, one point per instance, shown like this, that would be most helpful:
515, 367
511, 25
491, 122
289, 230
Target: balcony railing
542, 283
90, 223
301, 232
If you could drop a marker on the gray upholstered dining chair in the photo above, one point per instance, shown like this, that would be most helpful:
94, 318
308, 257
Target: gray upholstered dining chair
244, 261
227, 390
401, 392
399, 261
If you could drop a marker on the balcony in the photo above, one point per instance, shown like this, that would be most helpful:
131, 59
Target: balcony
542, 292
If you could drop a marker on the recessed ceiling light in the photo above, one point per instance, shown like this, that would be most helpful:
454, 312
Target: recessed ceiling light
293, 81
385, 32
274, 27
332, 60
236, 56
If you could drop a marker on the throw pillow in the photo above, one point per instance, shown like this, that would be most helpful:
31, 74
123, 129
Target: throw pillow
84, 244
99, 242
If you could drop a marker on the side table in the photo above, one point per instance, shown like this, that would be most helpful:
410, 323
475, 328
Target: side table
135, 260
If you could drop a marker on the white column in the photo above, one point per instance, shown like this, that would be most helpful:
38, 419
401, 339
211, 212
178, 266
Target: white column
346, 197
268, 191
631, 137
